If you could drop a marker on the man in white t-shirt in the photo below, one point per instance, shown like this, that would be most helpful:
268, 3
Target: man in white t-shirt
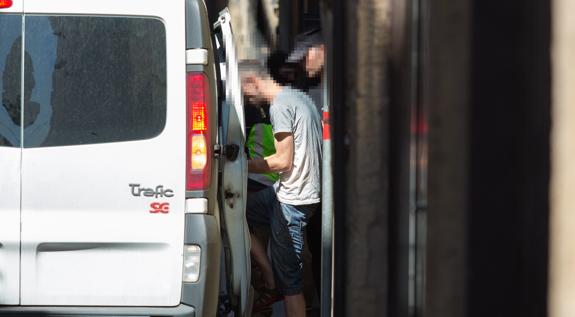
287, 207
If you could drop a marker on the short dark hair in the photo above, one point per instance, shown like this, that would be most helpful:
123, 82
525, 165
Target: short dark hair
282, 72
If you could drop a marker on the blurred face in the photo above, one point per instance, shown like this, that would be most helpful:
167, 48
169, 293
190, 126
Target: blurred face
314, 60
251, 87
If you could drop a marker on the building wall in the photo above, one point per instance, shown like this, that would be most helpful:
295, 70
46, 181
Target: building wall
244, 23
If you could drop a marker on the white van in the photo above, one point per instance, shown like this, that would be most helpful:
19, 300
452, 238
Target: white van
122, 174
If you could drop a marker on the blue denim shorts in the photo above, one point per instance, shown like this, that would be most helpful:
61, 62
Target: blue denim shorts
287, 223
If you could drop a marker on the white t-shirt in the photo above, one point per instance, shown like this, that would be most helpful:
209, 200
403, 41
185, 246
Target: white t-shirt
293, 111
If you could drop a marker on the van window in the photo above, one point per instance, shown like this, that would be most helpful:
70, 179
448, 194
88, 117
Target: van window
10, 83
93, 80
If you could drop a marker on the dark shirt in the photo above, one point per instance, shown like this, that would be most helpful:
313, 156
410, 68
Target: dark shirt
255, 115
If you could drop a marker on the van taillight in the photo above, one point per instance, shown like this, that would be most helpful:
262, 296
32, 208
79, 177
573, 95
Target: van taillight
4, 4
199, 147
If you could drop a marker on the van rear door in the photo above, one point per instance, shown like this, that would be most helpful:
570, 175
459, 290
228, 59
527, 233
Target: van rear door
103, 164
234, 174
10, 152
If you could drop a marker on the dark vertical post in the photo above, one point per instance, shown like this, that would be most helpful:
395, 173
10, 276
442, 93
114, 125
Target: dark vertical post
446, 70
338, 56
403, 165
365, 171
509, 166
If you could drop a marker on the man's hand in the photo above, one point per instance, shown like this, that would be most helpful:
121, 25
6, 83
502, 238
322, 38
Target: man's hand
281, 161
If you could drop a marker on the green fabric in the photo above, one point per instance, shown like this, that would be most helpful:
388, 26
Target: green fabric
260, 144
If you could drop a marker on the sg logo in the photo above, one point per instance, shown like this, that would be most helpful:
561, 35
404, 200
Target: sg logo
162, 208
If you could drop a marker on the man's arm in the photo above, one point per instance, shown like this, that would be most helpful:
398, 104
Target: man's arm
281, 161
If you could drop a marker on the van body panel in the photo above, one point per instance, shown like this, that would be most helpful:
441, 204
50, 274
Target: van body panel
90, 225
10, 154
198, 33
91, 235
171, 12
92, 311
10, 226
204, 229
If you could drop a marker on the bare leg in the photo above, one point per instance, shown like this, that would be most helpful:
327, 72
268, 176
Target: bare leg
295, 305
260, 255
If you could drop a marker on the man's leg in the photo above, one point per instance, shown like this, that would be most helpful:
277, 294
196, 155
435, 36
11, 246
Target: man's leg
258, 211
260, 255
295, 305
287, 224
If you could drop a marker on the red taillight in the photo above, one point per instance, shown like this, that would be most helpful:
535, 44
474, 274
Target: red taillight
199, 147
4, 4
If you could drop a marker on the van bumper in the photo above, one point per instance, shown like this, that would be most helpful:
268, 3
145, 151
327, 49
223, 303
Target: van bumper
204, 231
39, 311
